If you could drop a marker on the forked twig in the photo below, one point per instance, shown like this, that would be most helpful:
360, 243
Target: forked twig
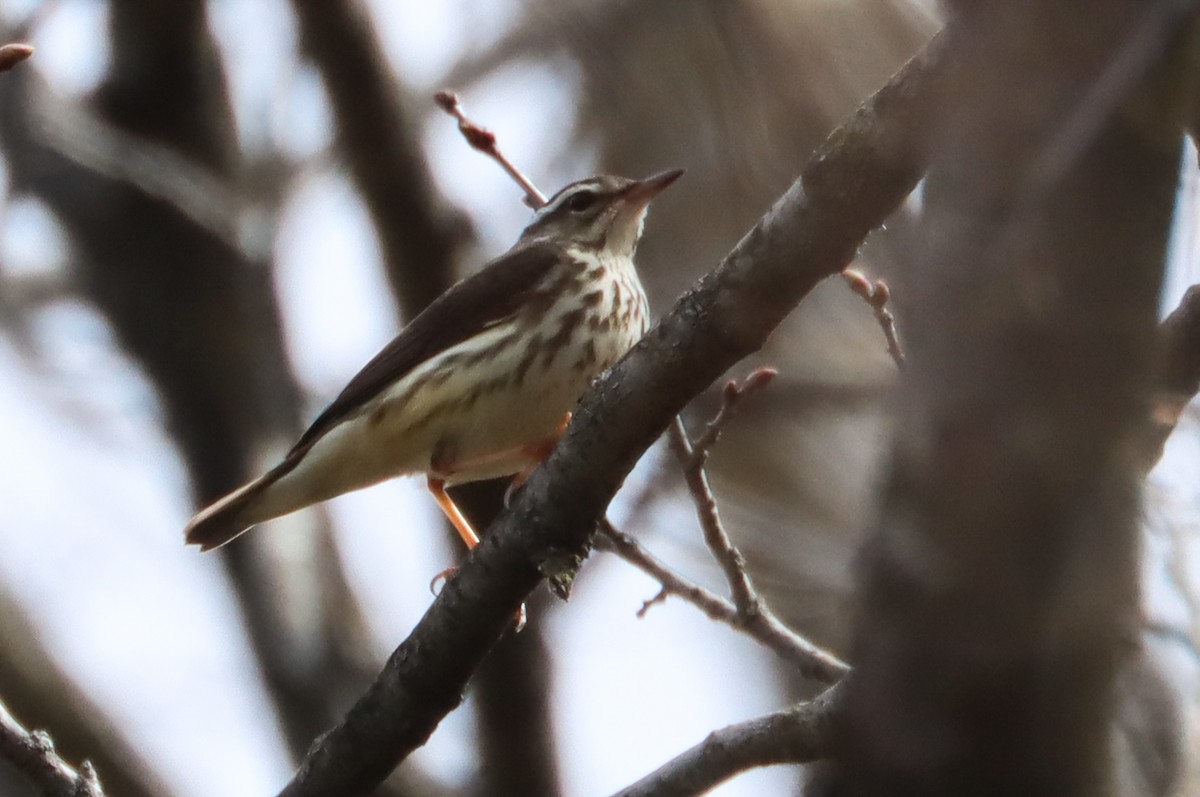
484, 140
692, 457
746, 612
763, 627
731, 397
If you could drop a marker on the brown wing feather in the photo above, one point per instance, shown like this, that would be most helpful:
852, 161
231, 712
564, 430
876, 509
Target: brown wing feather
493, 293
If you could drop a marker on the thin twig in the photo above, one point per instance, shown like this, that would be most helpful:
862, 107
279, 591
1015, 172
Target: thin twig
715, 537
692, 458
763, 627
484, 140
876, 293
660, 597
747, 612
34, 756
731, 396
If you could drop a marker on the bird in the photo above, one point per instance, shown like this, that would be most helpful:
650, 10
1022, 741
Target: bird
480, 384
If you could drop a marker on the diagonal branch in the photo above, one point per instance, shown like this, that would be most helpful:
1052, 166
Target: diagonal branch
762, 626
798, 735
855, 179
34, 755
484, 141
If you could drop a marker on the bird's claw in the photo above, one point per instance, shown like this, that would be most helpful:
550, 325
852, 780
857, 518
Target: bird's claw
518, 622
522, 616
510, 492
442, 577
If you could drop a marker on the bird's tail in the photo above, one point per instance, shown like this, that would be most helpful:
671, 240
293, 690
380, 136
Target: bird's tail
229, 517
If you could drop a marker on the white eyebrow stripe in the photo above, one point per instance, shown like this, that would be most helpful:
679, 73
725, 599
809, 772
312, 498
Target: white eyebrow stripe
562, 196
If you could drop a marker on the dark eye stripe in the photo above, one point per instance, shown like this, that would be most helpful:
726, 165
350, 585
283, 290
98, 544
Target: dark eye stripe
565, 196
580, 201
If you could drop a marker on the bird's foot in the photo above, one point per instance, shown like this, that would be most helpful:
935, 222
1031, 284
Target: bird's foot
441, 578
435, 583
510, 492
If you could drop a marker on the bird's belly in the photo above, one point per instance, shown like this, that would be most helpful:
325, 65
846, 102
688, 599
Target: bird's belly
506, 432
476, 419
498, 417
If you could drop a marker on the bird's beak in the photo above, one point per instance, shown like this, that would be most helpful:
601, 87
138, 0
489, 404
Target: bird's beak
640, 193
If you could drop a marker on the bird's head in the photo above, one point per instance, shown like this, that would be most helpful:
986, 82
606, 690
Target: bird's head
599, 213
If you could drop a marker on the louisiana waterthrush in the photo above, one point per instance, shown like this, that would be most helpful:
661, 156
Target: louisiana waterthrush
481, 383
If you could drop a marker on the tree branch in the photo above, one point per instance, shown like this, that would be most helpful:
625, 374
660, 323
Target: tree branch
39, 690
484, 141
34, 755
747, 613
761, 625
1180, 379
876, 294
158, 170
798, 735
692, 458
862, 172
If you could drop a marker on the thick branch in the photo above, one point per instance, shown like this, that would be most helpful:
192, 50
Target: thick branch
796, 736
862, 172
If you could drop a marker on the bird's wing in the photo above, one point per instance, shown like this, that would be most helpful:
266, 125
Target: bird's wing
496, 292
487, 297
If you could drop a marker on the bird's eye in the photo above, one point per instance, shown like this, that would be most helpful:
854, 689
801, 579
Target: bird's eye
581, 201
